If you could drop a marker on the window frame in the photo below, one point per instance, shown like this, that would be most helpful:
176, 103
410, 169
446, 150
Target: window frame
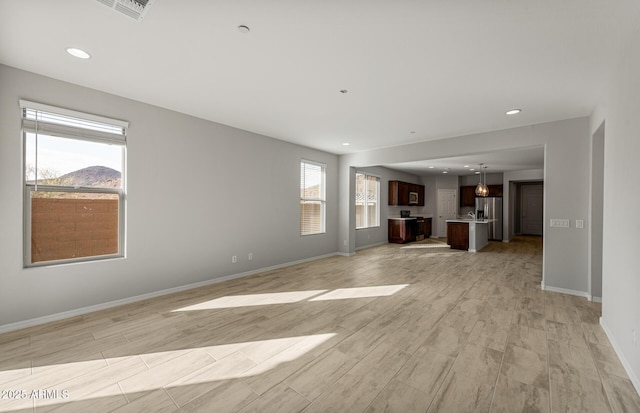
365, 209
322, 199
77, 133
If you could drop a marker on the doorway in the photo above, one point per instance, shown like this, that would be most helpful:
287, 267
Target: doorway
529, 208
447, 209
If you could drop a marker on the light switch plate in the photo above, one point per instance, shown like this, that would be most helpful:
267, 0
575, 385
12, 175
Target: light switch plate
560, 223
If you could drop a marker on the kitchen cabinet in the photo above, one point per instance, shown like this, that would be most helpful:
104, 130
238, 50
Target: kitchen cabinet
399, 193
469, 235
458, 235
420, 192
402, 230
468, 196
495, 190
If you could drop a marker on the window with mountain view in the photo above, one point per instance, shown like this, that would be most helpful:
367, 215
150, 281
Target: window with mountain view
312, 198
367, 201
74, 185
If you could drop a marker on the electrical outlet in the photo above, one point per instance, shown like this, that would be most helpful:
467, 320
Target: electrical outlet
234, 259
579, 223
250, 256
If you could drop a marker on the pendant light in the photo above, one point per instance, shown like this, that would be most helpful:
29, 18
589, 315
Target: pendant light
482, 189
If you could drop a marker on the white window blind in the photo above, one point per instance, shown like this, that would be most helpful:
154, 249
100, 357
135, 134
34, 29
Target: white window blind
312, 198
65, 123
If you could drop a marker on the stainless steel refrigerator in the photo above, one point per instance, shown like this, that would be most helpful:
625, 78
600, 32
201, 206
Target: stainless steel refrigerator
491, 208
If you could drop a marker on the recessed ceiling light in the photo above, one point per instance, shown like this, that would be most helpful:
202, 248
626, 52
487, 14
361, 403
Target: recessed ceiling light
346, 144
466, 166
513, 111
472, 169
477, 172
79, 53
445, 172
244, 29
431, 167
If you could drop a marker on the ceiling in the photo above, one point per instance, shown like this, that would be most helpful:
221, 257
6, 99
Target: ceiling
493, 162
413, 70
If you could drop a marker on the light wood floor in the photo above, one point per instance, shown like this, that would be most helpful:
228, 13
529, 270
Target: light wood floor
390, 330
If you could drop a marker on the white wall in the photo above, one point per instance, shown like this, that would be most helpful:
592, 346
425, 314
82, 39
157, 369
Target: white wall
429, 209
491, 179
567, 166
621, 243
198, 193
597, 199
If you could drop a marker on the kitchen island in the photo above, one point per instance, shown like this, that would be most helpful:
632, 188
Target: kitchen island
468, 234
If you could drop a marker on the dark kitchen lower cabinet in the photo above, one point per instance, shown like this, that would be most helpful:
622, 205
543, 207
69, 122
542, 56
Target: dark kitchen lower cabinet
402, 230
408, 230
458, 235
427, 227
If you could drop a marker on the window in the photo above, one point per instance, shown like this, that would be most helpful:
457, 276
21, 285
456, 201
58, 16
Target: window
312, 198
367, 201
74, 175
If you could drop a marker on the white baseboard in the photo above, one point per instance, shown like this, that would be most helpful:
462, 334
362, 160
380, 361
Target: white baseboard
103, 306
570, 292
565, 291
627, 366
346, 254
370, 245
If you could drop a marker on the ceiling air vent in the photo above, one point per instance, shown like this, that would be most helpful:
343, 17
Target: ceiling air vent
136, 9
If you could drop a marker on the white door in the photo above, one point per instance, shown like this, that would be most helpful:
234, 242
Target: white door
447, 209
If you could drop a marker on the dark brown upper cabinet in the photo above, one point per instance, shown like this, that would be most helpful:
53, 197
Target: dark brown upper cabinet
495, 190
404, 193
468, 194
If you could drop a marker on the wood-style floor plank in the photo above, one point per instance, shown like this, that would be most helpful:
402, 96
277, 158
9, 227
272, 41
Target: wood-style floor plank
390, 329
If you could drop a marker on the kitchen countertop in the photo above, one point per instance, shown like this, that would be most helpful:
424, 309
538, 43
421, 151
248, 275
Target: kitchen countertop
409, 218
469, 221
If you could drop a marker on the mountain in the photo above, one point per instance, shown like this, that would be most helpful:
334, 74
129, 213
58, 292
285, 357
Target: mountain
92, 176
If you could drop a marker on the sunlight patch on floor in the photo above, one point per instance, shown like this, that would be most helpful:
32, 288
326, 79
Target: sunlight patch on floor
360, 292
234, 301
421, 246
94, 379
